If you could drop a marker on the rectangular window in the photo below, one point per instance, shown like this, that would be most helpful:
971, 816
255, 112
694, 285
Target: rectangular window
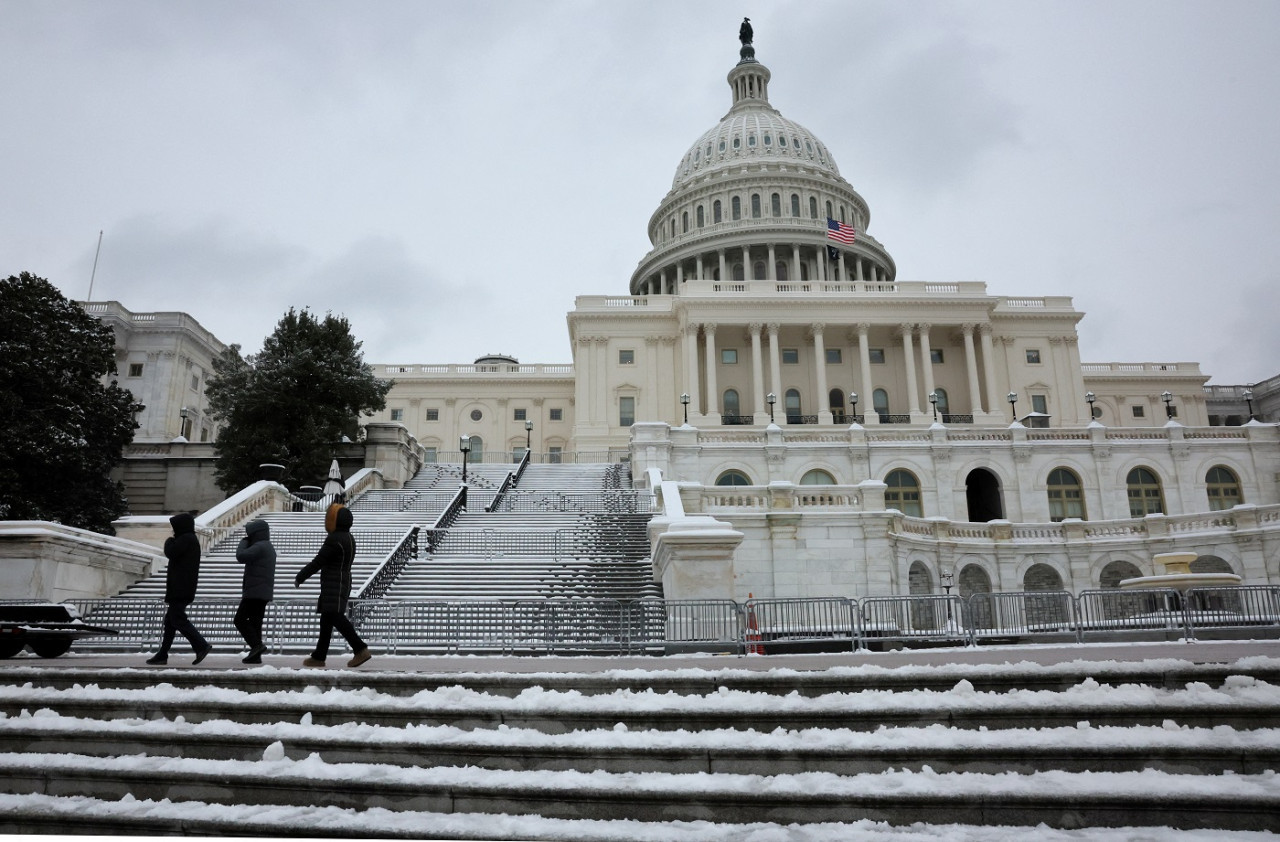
935, 356
519, 415
428, 454
556, 414
626, 411
553, 455
397, 415
1040, 403
433, 415
1139, 412
135, 369
790, 356
626, 357
1033, 356
834, 356
195, 382
876, 355
728, 356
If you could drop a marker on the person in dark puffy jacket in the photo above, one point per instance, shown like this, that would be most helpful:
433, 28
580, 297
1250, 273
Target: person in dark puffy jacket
333, 563
180, 578
259, 559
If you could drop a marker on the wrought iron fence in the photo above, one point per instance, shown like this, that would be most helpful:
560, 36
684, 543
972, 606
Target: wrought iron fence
656, 626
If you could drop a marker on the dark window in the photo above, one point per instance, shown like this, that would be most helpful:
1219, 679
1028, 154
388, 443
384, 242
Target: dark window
556, 414
520, 415
135, 369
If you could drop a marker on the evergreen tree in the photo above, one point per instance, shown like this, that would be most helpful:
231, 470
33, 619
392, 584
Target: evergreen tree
62, 429
293, 402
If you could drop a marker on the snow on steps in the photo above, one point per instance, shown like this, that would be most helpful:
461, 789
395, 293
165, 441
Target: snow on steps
1140, 744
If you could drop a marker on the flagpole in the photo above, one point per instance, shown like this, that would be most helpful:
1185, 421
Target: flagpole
95, 266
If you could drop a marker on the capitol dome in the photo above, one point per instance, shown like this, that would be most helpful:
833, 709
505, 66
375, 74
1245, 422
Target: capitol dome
753, 199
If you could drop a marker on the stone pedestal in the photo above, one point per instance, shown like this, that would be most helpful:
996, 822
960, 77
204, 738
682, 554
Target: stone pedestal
693, 558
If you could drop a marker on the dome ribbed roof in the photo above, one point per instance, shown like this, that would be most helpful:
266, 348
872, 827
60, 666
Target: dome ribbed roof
756, 134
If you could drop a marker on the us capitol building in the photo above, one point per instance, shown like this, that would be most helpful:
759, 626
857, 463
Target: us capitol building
846, 432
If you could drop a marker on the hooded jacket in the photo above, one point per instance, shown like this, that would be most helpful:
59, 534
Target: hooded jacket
334, 561
183, 552
259, 559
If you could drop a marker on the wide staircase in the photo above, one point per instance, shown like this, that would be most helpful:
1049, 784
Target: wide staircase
993, 752
562, 532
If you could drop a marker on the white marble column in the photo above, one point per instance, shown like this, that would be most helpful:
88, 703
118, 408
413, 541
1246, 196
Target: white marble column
926, 363
795, 262
724, 272
771, 270
746, 263
909, 353
971, 368
820, 366
757, 372
867, 387
775, 361
691, 364
713, 393
989, 367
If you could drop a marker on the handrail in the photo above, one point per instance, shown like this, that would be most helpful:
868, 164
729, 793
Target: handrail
380, 579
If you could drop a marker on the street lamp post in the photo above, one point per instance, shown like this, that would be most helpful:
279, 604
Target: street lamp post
1167, 397
948, 579
1013, 404
528, 436
771, 399
182, 421
933, 399
1090, 397
684, 400
464, 444
853, 404
1248, 397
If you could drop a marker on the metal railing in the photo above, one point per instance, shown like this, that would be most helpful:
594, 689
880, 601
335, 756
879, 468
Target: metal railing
656, 626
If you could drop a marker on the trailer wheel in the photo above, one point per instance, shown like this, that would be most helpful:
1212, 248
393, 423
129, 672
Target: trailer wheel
10, 645
50, 648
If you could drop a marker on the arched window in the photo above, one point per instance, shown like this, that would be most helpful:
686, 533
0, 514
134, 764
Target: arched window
736, 203
836, 398
775, 204
701, 216
1041, 577
842, 219
973, 579
684, 223
738, 272
476, 454
880, 403
755, 205
903, 493
1066, 498
804, 270
1223, 488
673, 226
757, 270
733, 478
780, 270
1145, 496
731, 402
817, 477
813, 207
792, 404
829, 214
1210, 564
715, 212
795, 204
1116, 572
944, 405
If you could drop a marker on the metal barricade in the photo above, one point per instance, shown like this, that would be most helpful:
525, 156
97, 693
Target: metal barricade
569, 626
1009, 617
695, 625
925, 617
777, 625
1133, 614
138, 623
1233, 612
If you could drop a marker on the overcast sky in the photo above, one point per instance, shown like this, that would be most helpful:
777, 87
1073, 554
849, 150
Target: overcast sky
449, 176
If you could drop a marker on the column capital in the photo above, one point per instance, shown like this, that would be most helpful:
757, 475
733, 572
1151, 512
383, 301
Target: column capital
691, 330
863, 328
754, 328
774, 327
709, 328
904, 330
923, 328
968, 328
985, 328
816, 330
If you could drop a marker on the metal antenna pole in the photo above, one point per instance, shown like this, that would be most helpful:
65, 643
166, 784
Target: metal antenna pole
95, 267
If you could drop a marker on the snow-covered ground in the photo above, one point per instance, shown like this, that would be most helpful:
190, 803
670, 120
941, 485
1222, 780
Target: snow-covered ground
276, 764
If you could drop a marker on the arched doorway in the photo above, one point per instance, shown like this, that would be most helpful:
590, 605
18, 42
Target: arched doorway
982, 493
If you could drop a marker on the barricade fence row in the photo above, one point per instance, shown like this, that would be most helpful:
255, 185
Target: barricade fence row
656, 626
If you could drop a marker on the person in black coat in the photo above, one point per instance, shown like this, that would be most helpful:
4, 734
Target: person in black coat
259, 559
183, 552
333, 562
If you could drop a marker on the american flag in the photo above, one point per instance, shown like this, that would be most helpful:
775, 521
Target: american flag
840, 232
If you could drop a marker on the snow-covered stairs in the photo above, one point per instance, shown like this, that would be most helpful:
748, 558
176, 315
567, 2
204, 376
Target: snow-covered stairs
633, 754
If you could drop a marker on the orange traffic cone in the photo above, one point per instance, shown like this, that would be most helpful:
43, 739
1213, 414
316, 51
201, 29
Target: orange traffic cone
755, 644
